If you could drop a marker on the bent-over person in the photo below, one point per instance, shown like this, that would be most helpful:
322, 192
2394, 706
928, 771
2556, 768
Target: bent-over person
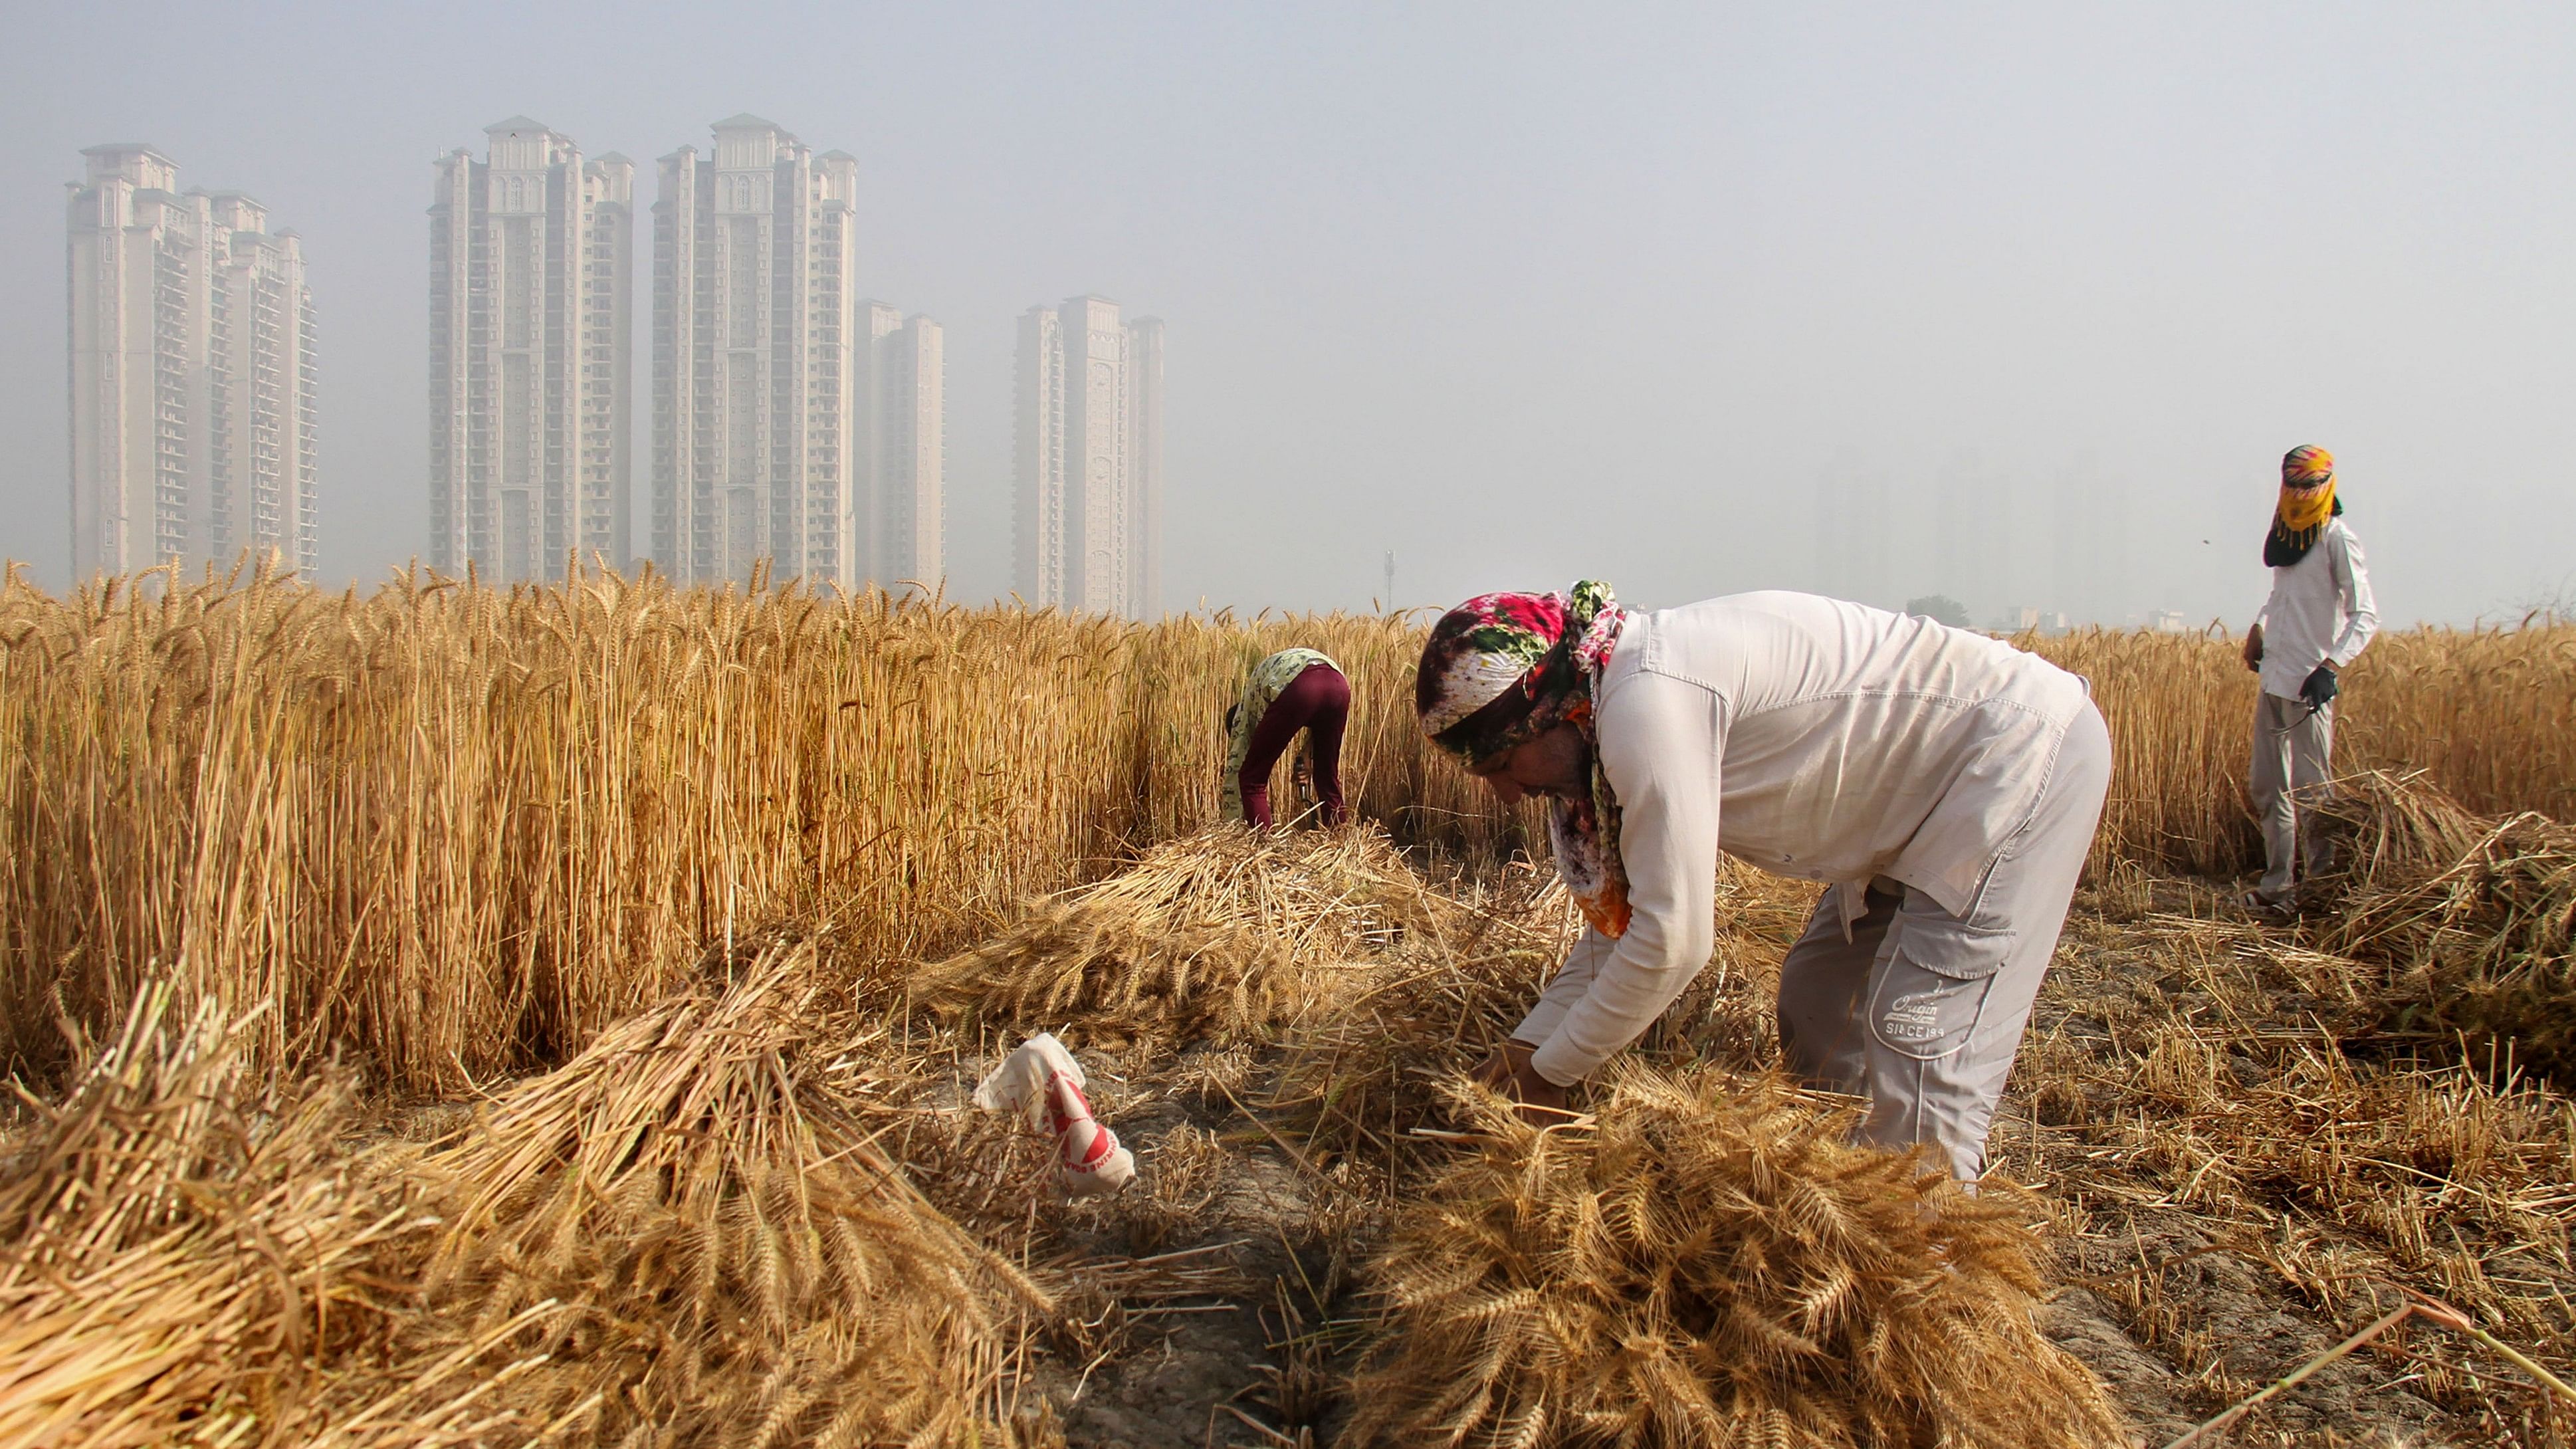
1943, 784
1292, 690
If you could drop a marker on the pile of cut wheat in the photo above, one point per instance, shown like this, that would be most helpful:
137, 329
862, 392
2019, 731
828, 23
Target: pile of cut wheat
686, 1235
1215, 936
707, 1245
187, 1257
1704, 1261
2473, 916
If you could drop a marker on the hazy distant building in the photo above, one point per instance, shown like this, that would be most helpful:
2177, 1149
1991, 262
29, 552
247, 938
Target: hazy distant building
1088, 494
758, 432
531, 391
1145, 465
899, 523
1970, 552
1853, 532
2085, 548
192, 378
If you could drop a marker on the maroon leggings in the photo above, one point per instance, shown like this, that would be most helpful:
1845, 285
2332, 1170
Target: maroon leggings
1318, 700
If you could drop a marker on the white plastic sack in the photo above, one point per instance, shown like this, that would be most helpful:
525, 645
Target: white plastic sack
1043, 1084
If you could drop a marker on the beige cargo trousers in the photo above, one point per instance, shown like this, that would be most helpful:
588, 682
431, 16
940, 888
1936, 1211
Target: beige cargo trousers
1921, 1011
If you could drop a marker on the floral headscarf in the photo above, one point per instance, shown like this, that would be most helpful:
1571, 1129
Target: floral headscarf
1501, 669
2307, 501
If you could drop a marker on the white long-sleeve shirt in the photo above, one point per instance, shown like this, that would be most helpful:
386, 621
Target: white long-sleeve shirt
1834, 742
2320, 609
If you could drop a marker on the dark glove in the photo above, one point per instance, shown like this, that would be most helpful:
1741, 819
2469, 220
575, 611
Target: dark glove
2319, 691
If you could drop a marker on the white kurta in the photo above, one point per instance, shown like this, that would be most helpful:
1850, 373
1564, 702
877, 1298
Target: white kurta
1806, 736
2320, 609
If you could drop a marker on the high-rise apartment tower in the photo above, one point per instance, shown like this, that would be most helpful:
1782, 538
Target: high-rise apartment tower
757, 355
900, 521
1145, 467
1088, 501
192, 378
531, 267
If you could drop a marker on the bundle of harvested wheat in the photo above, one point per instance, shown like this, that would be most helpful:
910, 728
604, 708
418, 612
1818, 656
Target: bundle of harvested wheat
1217, 934
186, 1261
1706, 1262
735, 1259
2474, 915
1367, 1066
1365, 1069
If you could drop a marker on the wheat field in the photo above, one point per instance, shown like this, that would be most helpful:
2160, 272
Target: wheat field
569, 988
455, 830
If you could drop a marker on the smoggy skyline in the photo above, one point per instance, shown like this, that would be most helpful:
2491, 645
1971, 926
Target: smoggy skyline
2015, 303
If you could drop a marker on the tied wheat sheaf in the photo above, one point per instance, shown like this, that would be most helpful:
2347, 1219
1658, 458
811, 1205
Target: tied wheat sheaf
451, 1016
1703, 1261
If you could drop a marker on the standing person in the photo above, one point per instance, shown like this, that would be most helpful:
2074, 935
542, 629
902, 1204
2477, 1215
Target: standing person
2318, 619
1945, 784
1292, 690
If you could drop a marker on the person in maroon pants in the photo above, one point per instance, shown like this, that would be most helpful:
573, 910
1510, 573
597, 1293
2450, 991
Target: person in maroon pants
1292, 690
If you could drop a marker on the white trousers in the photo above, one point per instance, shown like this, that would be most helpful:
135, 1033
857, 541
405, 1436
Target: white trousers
1921, 1011
2293, 759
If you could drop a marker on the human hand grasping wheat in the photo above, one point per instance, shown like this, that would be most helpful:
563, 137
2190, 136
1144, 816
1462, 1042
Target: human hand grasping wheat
1507, 1070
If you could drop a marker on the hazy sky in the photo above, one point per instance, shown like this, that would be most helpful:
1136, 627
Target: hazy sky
2021, 303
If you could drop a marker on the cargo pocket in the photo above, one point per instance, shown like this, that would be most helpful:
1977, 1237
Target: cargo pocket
1933, 992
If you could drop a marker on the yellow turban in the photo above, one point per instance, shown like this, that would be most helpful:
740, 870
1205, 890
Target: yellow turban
2307, 501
